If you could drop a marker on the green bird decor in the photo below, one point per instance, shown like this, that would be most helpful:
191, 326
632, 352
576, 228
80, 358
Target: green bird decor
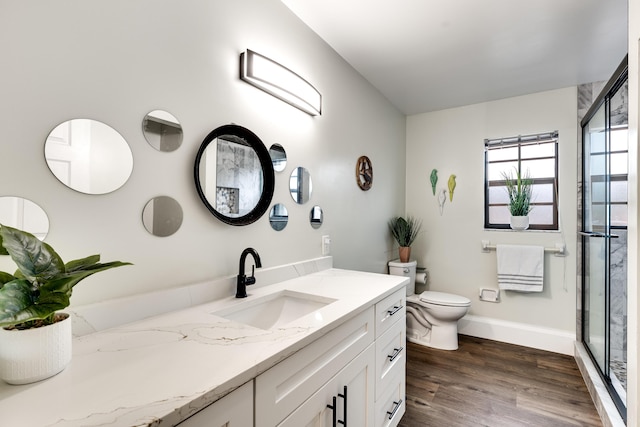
452, 186
434, 180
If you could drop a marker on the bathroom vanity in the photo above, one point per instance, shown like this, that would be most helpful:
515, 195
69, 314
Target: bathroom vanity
322, 347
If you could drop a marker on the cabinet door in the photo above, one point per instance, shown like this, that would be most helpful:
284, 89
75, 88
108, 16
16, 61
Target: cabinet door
359, 378
233, 410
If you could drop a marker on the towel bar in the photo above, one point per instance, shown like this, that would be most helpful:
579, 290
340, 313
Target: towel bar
558, 250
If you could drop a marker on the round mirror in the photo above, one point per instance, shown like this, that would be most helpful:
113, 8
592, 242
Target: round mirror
234, 175
278, 157
315, 217
300, 185
25, 215
278, 217
162, 216
88, 156
162, 131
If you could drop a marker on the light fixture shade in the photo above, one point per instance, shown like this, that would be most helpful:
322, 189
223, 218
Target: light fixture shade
279, 81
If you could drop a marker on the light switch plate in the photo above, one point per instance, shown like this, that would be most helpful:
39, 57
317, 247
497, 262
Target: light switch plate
326, 245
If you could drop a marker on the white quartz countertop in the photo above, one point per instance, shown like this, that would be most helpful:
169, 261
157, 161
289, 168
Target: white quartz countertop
161, 370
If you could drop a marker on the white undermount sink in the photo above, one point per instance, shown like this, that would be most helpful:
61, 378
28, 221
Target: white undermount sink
274, 310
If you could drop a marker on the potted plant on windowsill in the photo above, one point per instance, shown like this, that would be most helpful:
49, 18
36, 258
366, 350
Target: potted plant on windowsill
35, 338
519, 191
405, 232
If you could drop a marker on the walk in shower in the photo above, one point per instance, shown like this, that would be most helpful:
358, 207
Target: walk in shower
604, 235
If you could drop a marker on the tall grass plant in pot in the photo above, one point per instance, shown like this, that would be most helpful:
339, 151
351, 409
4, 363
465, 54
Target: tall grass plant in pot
35, 337
405, 232
519, 190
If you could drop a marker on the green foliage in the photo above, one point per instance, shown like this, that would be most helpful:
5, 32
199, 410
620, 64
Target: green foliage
405, 231
43, 282
519, 190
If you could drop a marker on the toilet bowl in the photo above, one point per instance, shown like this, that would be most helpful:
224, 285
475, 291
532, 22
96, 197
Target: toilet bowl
432, 319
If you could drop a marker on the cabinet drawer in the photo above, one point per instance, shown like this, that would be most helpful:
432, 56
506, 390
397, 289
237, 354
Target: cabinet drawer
284, 387
389, 310
236, 408
391, 355
391, 406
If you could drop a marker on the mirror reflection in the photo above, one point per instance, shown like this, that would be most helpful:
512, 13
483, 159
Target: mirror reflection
88, 156
234, 175
162, 216
25, 215
162, 131
316, 217
278, 157
300, 185
278, 217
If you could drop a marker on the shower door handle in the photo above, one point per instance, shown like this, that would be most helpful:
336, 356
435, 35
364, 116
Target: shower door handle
596, 234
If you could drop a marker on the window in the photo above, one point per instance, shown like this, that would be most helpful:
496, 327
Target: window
535, 155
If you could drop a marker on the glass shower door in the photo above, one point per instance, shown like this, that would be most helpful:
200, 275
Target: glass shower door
595, 232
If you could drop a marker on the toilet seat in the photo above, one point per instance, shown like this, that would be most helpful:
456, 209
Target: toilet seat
442, 298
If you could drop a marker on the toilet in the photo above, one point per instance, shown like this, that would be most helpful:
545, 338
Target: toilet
432, 318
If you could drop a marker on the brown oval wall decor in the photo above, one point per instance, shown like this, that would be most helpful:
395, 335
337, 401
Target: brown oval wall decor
364, 173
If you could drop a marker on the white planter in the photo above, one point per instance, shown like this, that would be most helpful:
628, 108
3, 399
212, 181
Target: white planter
520, 222
32, 355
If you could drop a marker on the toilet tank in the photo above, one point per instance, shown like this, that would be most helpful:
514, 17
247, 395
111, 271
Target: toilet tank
407, 269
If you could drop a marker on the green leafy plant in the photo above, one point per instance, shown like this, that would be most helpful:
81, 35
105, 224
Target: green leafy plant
405, 231
43, 282
519, 190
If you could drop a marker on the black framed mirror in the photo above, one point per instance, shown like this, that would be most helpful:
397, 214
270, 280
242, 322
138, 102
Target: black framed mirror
234, 175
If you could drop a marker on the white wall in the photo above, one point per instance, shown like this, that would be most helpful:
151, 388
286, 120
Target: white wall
452, 141
117, 60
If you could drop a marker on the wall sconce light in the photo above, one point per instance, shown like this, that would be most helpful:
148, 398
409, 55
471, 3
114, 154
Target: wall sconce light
279, 81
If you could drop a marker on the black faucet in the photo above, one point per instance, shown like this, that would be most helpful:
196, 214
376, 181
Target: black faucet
243, 280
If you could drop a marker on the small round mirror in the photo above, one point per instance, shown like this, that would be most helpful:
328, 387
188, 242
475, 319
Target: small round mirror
278, 157
88, 156
25, 215
162, 216
278, 217
234, 175
315, 217
162, 131
300, 185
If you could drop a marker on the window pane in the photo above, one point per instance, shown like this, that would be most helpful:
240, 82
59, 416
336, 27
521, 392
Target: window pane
542, 193
619, 163
495, 170
597, 164
618, 191
541, 215
597, 192
495, 154
498, 195
619, 140
540, 168
499, 215
538, 150
618, 216
596, 141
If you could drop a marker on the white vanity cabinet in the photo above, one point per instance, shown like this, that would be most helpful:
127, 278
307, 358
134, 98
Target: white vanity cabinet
234, 409
391, 327
321, 365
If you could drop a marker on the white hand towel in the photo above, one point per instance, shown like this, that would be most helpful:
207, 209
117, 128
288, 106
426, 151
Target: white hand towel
520, 268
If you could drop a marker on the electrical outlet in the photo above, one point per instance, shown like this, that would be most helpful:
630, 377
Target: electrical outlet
326, 245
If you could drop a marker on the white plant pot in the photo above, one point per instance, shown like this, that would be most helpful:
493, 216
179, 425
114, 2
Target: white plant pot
31, 355
520, 222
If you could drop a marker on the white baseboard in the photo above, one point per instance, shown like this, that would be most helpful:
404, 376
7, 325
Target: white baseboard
549, 339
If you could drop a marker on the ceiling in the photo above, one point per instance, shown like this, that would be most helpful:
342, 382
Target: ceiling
427, 55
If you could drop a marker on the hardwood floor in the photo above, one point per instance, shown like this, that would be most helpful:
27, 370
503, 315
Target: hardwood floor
488, 383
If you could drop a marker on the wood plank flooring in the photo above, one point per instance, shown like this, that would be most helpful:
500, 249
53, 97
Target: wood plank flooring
493, 384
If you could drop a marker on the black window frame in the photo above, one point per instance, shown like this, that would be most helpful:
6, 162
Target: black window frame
519, 142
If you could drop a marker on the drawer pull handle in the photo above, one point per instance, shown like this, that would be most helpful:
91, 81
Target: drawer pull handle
395, 408
344, 407
333, 412
394, 310
396, 353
